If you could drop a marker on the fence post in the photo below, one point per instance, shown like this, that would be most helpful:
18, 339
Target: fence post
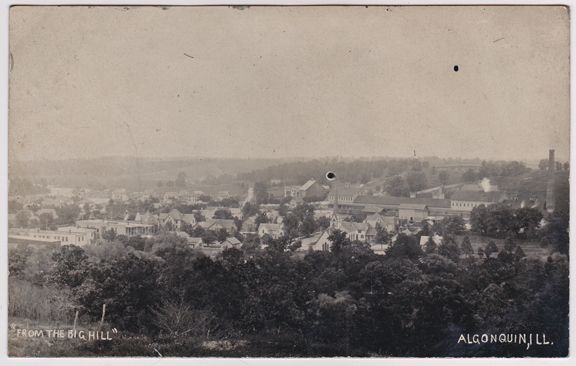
103, 314
75, 320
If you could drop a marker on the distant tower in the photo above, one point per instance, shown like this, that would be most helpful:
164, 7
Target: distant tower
549, 204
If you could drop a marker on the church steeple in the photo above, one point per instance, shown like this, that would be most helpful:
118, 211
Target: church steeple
335, 220
335, 205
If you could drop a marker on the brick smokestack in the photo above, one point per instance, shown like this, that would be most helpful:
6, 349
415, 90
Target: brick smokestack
550, 200
551, 162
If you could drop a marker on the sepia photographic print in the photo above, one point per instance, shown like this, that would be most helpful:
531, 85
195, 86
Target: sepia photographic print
288, 181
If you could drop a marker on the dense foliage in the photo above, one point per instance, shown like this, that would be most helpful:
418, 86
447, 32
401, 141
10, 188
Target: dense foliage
347, 301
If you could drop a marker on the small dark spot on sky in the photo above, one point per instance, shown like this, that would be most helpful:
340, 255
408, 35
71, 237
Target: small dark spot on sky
330, 176
456, 68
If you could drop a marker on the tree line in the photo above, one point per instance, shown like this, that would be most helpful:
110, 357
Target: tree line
344, 302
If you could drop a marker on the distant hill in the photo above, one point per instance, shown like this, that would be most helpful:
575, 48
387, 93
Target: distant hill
360, 170
144, 173
129, 172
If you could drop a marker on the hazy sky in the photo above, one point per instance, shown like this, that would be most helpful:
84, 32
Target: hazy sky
289, 81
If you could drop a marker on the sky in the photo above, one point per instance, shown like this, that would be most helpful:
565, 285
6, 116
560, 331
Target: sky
268, 82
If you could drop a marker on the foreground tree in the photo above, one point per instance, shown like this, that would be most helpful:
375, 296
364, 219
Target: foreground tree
128, 287
466, 246
405, 246
339, 241
382, 235
178, 319
430, 246
70, 266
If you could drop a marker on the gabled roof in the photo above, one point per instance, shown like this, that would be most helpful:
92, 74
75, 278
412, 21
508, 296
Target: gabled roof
436, 238
413, 206
349, 226
471, 187
307, 185
208, 212
315, 242
270, 227
232, 240
306, 242
476, 196
395, 201
174, 213
204, 224
189, 218
345, 191
380, 217
371, 209
213, 224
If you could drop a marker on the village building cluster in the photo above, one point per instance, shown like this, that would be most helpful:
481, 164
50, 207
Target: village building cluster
225, 217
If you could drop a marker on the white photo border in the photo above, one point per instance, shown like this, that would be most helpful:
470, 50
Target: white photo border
4, 73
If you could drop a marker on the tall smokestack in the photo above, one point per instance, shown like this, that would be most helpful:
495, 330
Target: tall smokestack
550, 184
